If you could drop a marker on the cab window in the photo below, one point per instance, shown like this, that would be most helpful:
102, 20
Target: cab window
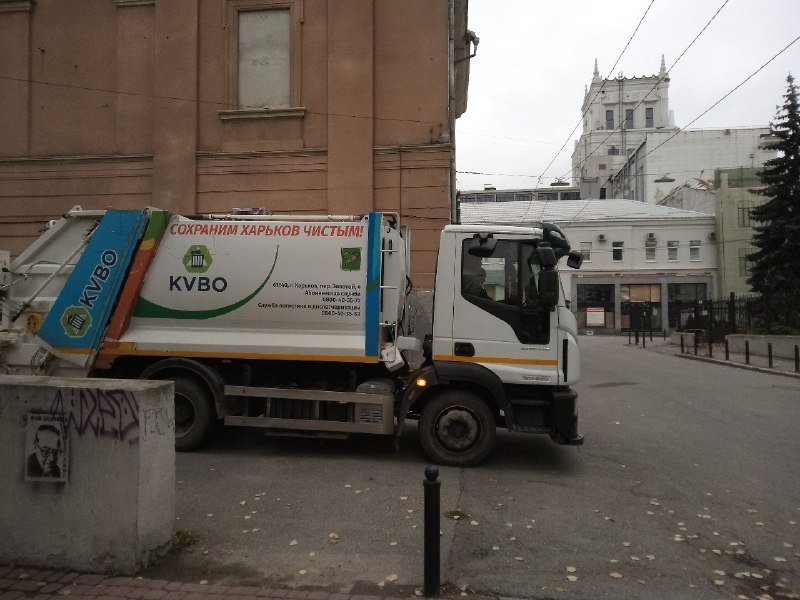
504, 284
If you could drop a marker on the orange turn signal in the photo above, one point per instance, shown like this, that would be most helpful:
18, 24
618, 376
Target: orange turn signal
421, 382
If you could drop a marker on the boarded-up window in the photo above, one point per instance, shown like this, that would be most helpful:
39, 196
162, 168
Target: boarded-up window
264, 58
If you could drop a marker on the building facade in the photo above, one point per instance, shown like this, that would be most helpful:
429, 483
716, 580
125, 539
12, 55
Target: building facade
617, 114
663, 160
635, 256
201, 106
730, 198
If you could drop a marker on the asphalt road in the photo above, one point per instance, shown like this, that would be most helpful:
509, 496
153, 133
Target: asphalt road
687, 487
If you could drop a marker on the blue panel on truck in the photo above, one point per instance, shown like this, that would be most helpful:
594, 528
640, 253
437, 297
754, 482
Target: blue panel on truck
372, 313
75, 325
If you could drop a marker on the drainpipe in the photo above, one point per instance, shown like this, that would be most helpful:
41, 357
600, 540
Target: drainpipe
451, 108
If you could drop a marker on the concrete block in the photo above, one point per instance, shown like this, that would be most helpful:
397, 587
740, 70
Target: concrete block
89, 472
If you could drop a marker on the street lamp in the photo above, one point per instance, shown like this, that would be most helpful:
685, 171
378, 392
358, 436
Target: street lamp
559, 182
665, 178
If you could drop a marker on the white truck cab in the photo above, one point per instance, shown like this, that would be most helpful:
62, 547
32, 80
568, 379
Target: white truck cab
504, 343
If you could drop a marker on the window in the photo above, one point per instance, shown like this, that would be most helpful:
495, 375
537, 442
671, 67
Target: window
601, 167
745, 213
264, 58
694, 250
650, 251
628, 118
613, 151
609, 119
672, 251
616, 251
648, 117
745, 264
505, 285
682, 301
586, 251
595, 305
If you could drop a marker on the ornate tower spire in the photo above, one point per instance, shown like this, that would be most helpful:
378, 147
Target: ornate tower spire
596, 76
663, 70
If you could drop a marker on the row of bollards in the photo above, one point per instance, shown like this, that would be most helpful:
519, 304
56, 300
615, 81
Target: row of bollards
770, 361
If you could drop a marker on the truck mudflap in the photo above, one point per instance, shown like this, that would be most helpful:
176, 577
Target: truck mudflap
564, 418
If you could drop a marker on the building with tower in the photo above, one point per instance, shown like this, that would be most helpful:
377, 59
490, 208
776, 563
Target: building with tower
617, 116
630, 147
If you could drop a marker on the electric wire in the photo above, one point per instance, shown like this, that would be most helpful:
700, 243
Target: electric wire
619, 126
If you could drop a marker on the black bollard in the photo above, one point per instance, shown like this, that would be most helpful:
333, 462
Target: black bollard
682, 345
629, 337
431, 486
727, 350
637, 337
644, 341
769, 354
695, 343
747, 352
796, 358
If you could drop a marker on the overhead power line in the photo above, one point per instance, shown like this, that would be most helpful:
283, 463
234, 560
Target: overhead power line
611, 70
745, 80
619, 125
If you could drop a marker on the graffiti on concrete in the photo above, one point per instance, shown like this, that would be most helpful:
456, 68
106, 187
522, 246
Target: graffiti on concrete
157, 421
102, 413
47, 455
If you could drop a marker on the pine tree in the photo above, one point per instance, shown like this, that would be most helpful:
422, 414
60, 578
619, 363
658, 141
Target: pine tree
775, 272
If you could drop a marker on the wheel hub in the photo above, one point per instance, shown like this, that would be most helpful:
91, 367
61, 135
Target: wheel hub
457, 429
184, 415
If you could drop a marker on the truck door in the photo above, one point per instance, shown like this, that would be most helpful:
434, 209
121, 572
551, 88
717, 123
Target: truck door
497, 318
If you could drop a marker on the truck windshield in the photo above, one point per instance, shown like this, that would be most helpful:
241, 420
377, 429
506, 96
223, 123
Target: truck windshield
507, 276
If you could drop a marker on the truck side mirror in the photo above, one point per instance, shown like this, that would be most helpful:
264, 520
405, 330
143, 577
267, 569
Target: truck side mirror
482, 246
546, 255
548, 289
575, 259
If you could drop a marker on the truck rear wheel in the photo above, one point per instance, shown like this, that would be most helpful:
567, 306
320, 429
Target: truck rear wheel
193, 414
457, 428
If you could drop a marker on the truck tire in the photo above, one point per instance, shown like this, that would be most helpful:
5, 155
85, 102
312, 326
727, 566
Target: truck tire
193, 414
457, 428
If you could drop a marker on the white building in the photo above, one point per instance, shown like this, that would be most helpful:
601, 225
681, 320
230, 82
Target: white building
634, 253
617, 115
630, 147
685, 155
730, 198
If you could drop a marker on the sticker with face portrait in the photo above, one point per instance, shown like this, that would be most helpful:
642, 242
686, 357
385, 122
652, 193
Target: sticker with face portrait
47, 449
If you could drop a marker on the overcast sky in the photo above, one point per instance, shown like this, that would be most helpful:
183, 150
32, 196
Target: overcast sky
535, 58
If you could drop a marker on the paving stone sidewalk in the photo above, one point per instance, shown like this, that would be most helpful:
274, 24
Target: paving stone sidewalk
780, 366
33, 584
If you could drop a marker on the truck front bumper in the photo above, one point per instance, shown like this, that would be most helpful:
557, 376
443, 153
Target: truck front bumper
564, 418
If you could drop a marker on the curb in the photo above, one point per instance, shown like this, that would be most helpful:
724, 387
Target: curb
18, 583
728, 363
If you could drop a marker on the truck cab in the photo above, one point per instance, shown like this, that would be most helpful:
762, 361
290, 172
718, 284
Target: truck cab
504, 346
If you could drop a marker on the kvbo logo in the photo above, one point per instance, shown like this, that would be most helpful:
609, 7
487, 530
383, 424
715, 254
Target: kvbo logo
197, 260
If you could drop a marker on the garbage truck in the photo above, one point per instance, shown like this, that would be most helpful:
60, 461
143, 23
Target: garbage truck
299, 325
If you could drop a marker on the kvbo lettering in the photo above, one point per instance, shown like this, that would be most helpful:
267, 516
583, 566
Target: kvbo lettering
181, 283
98, 277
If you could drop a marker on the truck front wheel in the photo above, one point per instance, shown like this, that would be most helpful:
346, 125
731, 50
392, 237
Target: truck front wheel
193, 418
457, 428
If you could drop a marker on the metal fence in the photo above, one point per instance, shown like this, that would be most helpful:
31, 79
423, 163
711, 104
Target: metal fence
719, 317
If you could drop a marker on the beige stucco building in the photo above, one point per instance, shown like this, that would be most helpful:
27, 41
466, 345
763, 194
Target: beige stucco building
299, 106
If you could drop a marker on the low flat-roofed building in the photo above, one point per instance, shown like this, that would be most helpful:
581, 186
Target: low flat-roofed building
635, 255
